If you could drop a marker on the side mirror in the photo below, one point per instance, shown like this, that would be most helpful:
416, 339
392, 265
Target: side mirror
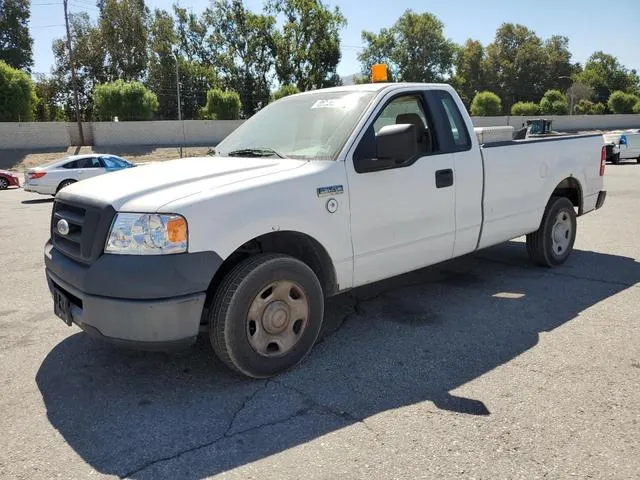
391, 146
397, 142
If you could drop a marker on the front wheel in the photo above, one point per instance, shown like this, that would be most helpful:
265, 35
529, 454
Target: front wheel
266, 315
4, 184
551, 245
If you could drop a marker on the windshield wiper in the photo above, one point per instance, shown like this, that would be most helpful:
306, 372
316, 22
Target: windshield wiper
255, 152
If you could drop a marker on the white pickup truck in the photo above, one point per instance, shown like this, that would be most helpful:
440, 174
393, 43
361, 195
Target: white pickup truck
314, 195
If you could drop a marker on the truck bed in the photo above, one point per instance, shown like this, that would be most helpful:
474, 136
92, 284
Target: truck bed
519, 178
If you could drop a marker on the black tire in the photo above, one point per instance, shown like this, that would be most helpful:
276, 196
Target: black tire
64, 183
229, 324
3, 183
615, 159
540, 245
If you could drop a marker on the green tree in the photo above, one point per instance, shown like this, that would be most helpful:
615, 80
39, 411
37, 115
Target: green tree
525, 108
242, 48
470, 70
414, 48
515, 60
15, 42
48, 108
17, 95
604, 74
554, 103
284, 91
123, 30
636, 107
622, 102
486, 104
125, 100
162, 64
307, 47
89, 56
558, 68
194, 40
196, 80
222, 105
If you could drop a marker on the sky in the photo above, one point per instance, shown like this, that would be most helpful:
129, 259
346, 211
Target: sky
590, 25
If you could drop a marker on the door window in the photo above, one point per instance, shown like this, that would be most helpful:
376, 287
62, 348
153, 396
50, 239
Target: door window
407, 109
89, 162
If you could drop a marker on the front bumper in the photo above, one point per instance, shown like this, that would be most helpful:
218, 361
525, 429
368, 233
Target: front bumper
149, 302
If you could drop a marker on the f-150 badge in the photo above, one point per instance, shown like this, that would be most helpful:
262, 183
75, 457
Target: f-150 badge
330, 190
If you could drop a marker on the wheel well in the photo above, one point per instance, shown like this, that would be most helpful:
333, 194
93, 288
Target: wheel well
63, 181
298, 245
570, 188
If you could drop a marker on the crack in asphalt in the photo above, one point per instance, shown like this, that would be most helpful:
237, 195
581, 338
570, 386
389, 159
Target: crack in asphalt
224, 436
321, 408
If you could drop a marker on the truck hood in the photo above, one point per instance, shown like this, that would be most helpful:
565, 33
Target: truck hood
147, 188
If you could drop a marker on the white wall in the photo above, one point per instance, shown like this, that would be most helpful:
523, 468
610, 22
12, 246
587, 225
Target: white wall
162, 133
32, 135
566, 123
169, 133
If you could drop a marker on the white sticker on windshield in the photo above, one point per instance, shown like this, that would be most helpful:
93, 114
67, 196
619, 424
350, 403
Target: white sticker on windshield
346, 103
330, 103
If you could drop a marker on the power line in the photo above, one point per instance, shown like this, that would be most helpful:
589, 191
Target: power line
47, 26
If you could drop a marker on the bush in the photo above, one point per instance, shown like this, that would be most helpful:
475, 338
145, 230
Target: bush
583, 107
621, 102
586, 107
285, 91
636, 107
525, 109
486, 104
125, 100
554, 103
17, 95
222, 105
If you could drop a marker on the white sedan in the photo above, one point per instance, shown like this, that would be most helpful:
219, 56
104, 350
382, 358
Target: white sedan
50, 179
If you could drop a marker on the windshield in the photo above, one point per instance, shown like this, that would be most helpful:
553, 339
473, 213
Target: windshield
312, 126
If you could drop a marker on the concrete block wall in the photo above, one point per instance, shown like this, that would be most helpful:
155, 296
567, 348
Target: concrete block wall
166, 133
565, 123
32, 135
170, 133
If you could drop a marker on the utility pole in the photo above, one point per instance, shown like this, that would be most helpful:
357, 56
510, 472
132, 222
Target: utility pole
73, 73
179, 101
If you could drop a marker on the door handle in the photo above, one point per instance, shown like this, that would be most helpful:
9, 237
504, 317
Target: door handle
444, 178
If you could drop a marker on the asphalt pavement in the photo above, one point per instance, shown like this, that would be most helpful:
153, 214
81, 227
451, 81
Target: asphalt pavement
481, 367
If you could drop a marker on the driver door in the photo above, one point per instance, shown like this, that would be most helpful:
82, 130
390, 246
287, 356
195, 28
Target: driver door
403, 215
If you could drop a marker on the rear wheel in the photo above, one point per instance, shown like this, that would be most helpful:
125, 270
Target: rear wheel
615, 159
266, 315
64, 183
551, 245
4, 184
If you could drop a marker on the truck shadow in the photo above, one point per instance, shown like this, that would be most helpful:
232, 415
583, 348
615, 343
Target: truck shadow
411, 339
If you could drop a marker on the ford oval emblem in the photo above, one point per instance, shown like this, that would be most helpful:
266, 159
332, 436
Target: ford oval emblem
63, 227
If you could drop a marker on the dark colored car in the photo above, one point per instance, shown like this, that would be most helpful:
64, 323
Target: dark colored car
8, 179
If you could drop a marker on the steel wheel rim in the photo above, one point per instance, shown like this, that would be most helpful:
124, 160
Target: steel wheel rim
561, 233
277, 318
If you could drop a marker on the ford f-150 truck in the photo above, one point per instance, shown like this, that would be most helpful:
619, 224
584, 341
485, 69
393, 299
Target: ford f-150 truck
316, 194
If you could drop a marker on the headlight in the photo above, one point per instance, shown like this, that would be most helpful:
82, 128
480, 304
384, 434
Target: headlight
147, 234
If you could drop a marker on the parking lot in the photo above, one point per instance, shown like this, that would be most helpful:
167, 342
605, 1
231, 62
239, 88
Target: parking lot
482, 367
